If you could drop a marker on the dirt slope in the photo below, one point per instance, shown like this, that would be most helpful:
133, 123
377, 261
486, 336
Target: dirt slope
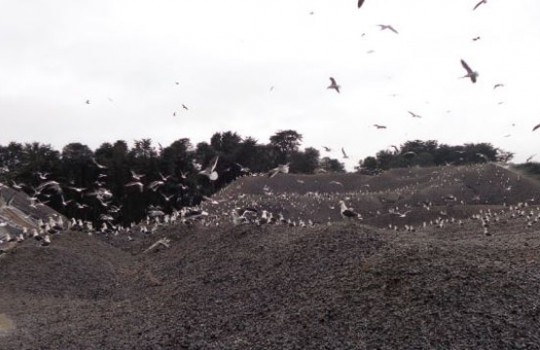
346, 285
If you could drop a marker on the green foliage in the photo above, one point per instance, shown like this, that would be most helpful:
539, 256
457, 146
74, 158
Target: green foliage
431, 153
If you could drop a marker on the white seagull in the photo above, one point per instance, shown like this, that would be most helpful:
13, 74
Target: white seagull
333, 85
282, 168
347, 212
210, 170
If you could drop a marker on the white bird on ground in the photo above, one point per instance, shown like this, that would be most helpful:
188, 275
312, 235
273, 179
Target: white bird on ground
470, 73
333, 85
347, 212
387, 26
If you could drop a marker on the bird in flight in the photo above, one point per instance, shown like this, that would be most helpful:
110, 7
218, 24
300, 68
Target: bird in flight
476, 38
387, 26
333, 85
344, 153
210, 170
470, 73
360, 3
530, 158
536, 127
414, 115
497, 86
87, 102
379, 126
282, 168
327, 149
479, 3
185, 107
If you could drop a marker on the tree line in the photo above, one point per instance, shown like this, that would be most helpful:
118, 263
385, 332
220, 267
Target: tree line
92, 183
431, 153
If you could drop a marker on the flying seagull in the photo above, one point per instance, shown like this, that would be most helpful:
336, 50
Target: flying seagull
387, 26
185, 107
414, 115
100, 166
479, 3
360, 3
87, 102
344, 154
497, 86
536, 127
530, 158
282, 168
379, 126
210, 170
470, 73
327, 149
476, 38
334, 85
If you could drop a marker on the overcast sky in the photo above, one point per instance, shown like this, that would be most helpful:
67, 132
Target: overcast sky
256, 67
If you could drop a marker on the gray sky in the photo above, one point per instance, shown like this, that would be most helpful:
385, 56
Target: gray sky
126, 55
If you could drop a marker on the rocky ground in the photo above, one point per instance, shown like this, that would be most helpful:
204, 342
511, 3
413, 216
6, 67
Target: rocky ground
347, 285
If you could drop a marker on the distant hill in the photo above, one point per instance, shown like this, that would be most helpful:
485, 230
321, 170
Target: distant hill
315, 197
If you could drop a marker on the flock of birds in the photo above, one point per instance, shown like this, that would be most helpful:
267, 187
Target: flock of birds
419, 199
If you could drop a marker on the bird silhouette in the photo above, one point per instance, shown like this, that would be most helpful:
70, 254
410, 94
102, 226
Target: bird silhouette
470, 73
387, 26
333, 85
479, 3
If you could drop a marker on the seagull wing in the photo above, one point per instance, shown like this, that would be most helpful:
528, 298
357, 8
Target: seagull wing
344, 154
467, 68
360, 3
536, 127
333, 81
392, 29
478, 4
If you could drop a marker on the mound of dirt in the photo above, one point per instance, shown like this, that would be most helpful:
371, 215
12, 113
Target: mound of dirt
335, 285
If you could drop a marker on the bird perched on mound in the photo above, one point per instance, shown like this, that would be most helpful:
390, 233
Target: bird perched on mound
347, 212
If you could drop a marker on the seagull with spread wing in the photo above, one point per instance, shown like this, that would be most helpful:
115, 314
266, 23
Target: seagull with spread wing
387, 26
470, 73
414, 115
210, 170
334, 85
345, 156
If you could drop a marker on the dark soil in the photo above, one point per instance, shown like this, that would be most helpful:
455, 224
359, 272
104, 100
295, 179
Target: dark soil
347, 285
